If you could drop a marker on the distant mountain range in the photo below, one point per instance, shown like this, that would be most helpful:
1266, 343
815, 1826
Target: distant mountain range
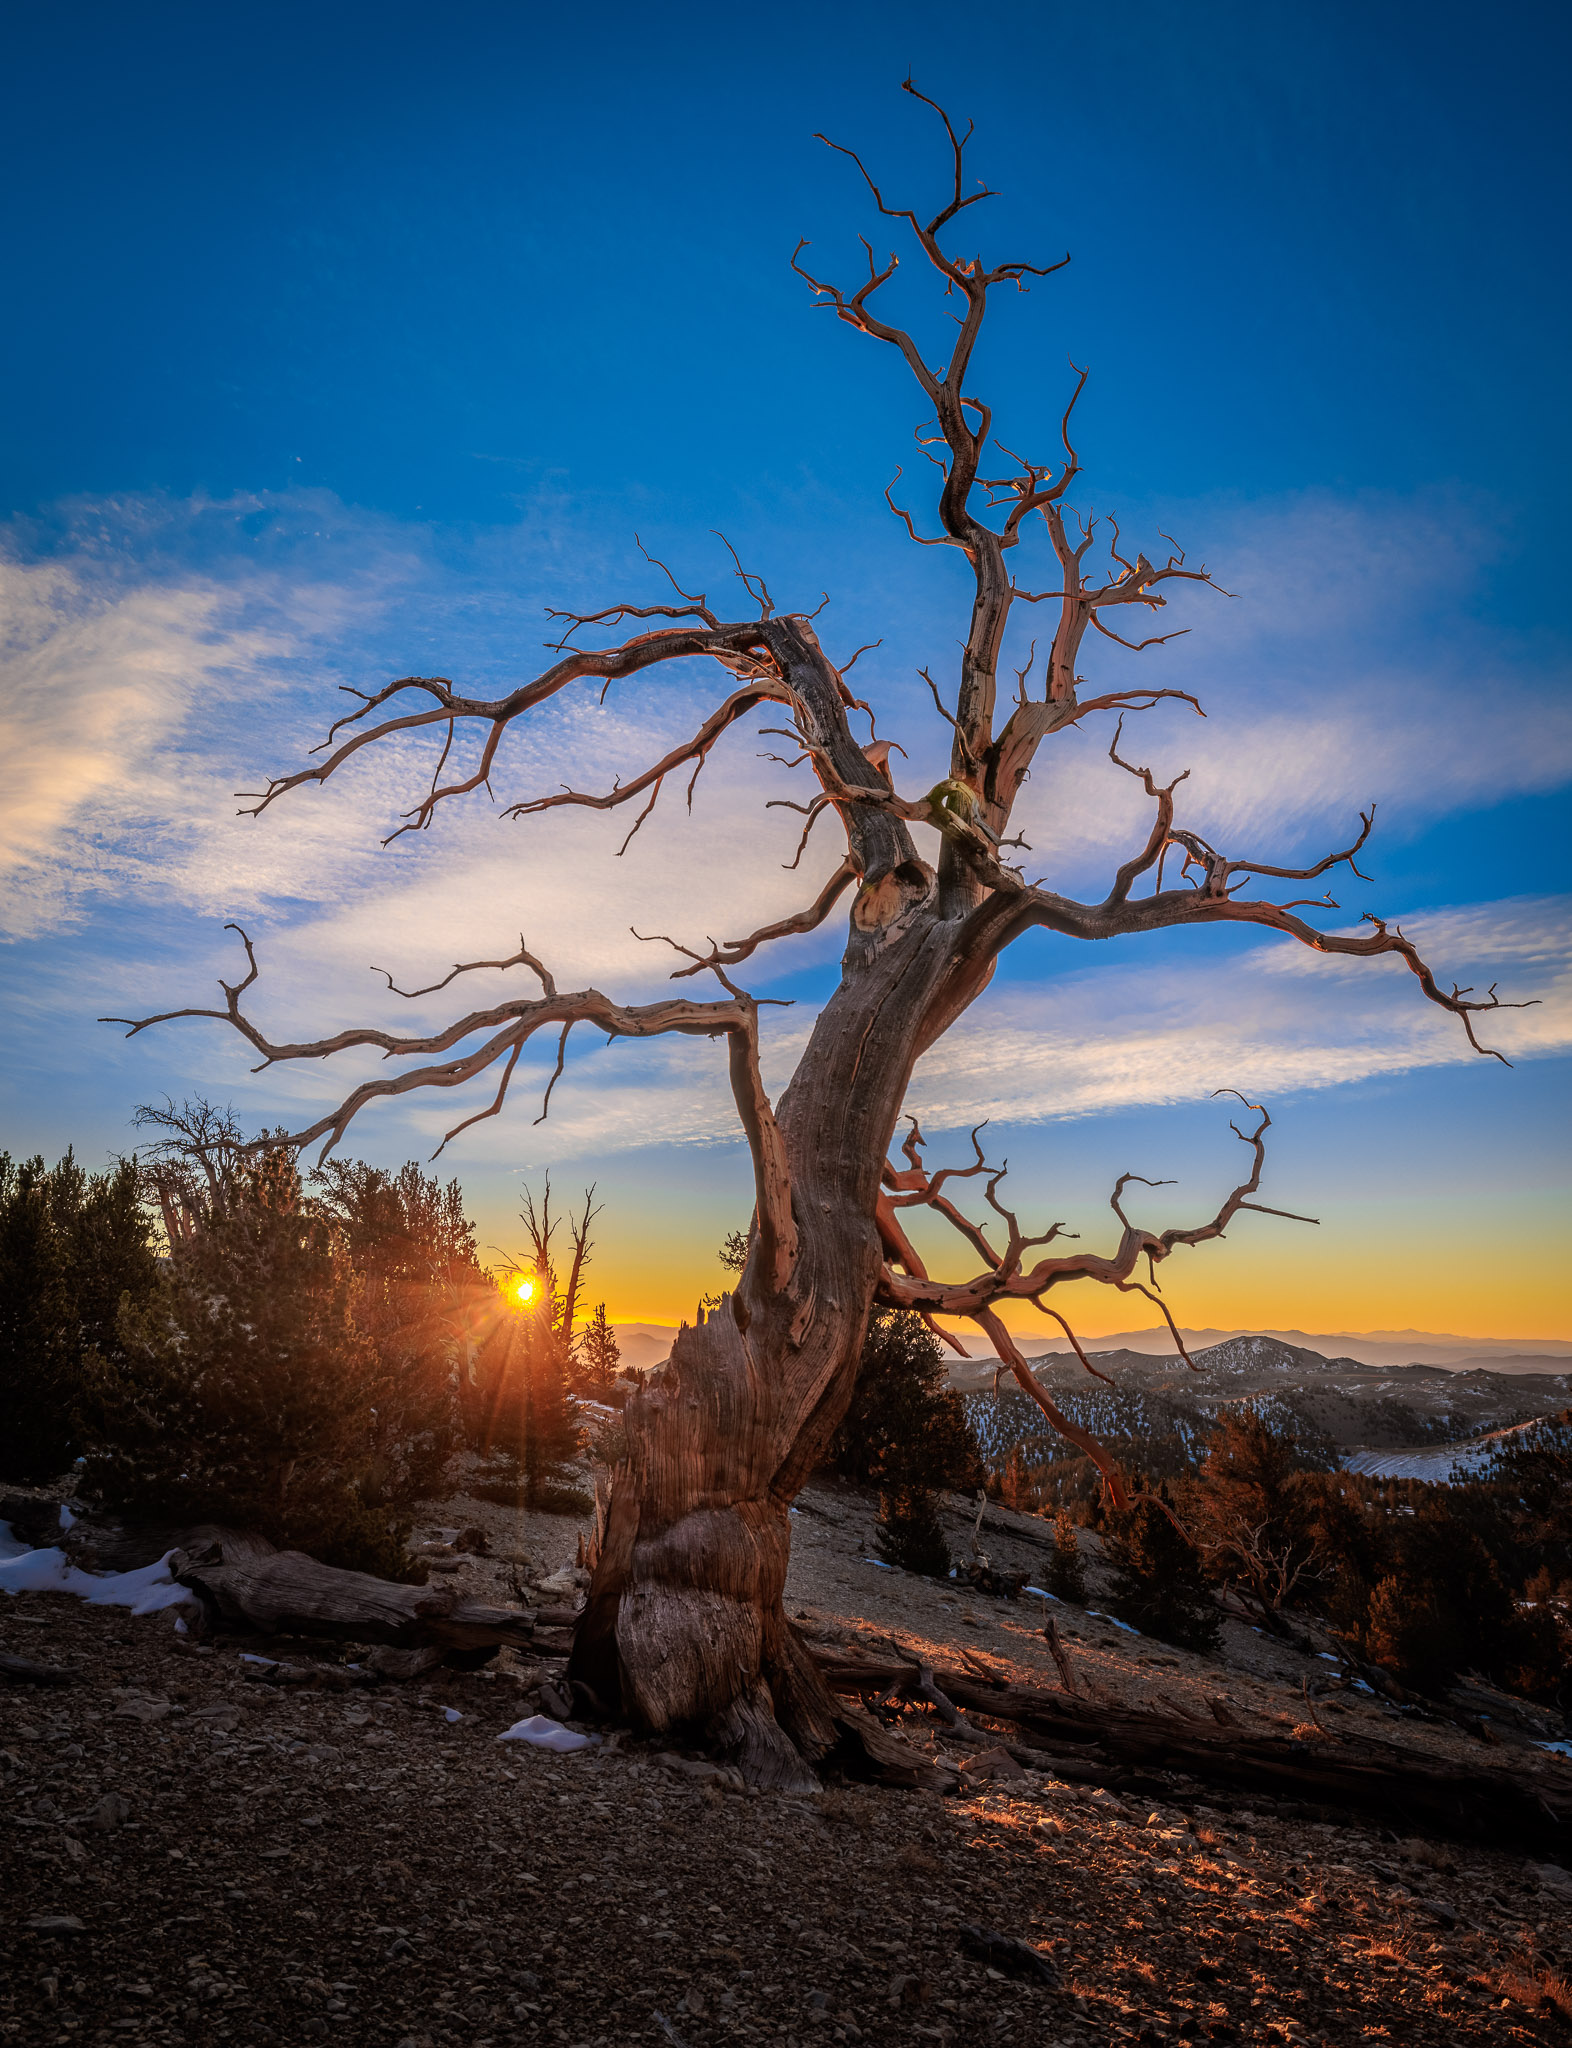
647, 1344
1411, 1420
1385, 1348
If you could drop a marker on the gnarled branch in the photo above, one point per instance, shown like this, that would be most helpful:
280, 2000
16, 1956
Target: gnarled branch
508, 1027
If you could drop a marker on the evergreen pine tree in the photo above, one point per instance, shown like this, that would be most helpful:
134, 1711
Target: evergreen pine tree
597, 1355
412, 1250
1066, 1571
906, 1426
909, 1532
72, 1246
1160, 1587
242, 1390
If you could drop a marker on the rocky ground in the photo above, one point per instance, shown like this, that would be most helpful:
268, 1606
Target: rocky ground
192, 1856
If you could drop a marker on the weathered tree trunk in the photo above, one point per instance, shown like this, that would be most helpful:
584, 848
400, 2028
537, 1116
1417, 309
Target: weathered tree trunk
685, 1624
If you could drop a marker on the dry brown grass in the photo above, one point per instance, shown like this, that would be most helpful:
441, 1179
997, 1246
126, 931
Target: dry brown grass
1537, 1990
915, 1861
1392, 1948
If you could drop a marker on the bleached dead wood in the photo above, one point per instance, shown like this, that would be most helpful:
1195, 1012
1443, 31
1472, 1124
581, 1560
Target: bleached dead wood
284, 1592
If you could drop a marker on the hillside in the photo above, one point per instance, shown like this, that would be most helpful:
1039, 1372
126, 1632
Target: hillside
198, 1856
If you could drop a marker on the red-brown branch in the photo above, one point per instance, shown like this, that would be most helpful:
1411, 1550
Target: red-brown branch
735, 950
726, 643
1006, 1278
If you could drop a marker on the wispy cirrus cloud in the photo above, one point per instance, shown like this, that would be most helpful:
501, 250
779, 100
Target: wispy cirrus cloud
1273, 1019
151, 667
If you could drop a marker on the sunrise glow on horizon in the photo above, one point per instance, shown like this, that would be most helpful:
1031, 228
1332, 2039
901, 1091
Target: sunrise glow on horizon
211, 531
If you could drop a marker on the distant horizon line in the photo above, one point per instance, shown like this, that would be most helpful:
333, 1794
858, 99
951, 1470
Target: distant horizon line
1222, 1332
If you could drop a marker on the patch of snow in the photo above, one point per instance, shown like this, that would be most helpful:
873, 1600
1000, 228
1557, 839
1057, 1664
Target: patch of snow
879, 1564
51, 1571
451, 1714
67, 1515
1329, 1656
1118, 1623
1040, 1593
543, 1733
1558, 1748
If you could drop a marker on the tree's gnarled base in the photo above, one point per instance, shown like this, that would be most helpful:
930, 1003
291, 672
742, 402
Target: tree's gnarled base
685, 1626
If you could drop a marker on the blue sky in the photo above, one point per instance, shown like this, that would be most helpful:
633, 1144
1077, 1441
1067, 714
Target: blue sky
350, 338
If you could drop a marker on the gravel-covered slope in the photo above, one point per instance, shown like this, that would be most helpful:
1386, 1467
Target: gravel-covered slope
192, 1857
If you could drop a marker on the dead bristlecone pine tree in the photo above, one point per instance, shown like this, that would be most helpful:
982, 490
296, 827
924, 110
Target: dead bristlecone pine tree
684, 1629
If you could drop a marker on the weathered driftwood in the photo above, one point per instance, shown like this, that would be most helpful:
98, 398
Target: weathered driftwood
1528, 1811
890, 1760
32, 1518
284, 1592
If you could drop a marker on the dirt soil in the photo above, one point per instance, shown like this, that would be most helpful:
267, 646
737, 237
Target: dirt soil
191, 1856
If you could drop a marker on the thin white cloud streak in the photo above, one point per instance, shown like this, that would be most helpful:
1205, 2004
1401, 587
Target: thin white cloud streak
1344, 670
1272, 1020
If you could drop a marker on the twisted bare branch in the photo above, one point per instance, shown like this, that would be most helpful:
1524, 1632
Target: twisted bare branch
735, 950
509, 1026
1006, 1278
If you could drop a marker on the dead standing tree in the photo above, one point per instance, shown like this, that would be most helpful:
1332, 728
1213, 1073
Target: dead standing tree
684, 1626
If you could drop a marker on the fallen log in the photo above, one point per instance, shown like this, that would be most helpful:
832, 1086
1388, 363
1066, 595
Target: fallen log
284, 1592
23, 1671
867, 1743
1494, 1805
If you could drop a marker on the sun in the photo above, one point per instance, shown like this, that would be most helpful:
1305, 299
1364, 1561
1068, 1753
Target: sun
524, 1288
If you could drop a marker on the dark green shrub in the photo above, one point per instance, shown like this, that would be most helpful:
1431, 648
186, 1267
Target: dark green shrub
1447, 1608
1066, 1571
909, 1532
73, 1246
242, 1391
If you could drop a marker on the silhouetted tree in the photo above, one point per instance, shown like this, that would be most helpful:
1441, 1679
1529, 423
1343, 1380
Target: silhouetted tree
1066, 1568
910, 1533
1447, 1608
597, 1354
